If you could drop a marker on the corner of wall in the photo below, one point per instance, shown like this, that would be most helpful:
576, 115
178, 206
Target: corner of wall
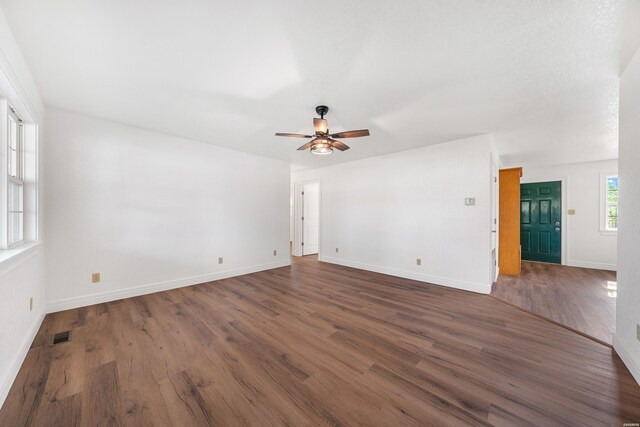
19, 357
19, 325
627, 315
626, 356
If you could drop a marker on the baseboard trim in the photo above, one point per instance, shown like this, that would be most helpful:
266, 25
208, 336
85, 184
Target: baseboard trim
83, 301
435, 280
593, 265
17, 362
625, 355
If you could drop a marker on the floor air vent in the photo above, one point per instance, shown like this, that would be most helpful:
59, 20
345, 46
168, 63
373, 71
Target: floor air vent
61, 337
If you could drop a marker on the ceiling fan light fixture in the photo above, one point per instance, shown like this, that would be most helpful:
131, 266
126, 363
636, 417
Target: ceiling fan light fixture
322, 149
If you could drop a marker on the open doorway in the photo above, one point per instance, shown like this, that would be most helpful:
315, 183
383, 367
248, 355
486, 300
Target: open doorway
578, 298
310, 218
306, 218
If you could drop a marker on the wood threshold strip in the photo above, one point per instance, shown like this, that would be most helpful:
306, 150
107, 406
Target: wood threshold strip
555, 322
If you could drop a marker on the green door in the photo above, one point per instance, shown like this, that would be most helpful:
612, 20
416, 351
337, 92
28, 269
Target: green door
540, 227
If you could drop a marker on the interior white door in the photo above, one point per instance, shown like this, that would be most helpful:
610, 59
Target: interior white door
311, 222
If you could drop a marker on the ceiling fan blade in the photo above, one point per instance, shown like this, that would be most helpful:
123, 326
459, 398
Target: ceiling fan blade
306, 146
320, 125
351, 134
293, 135
339, 145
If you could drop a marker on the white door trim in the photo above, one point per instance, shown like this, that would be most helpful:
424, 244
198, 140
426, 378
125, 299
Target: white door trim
494, 231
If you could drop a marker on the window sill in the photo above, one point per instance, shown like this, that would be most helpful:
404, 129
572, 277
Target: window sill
609, 232
18, 254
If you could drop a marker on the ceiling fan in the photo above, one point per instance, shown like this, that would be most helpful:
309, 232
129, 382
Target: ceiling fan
323, 142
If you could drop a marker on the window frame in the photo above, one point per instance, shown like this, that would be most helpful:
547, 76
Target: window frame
605, 203
18, 179
14, 98
15, 184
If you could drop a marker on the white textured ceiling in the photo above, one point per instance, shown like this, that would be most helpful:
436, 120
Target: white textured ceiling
542, 76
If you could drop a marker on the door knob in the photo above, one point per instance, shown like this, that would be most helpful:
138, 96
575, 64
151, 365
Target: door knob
557, 223
557, 228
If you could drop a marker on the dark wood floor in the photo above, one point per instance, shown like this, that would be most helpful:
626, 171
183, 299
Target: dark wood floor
581, 298
316, 344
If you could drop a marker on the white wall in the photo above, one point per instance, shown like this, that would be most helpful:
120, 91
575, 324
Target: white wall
151, 211
625, 340
584, 244
384, 212
21, 277
22, 269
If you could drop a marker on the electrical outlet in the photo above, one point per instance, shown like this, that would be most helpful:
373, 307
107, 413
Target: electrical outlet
95, 277
31, 304
337, 250
418, 261
220, 260
275, 252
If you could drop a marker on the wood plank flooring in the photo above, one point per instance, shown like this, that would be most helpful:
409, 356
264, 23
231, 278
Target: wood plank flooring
316, 344
581, 298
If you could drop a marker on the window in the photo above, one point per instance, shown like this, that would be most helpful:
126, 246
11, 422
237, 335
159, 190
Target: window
15, 180
18, 179
610, 204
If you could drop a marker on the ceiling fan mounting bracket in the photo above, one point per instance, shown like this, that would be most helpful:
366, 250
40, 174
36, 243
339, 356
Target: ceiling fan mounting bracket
322, 110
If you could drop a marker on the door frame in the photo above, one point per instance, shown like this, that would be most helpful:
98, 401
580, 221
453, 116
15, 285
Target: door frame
564, 199
494, 228
297, 216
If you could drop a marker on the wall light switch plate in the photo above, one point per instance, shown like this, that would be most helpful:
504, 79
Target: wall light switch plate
95, 277
571, 212
470, 201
